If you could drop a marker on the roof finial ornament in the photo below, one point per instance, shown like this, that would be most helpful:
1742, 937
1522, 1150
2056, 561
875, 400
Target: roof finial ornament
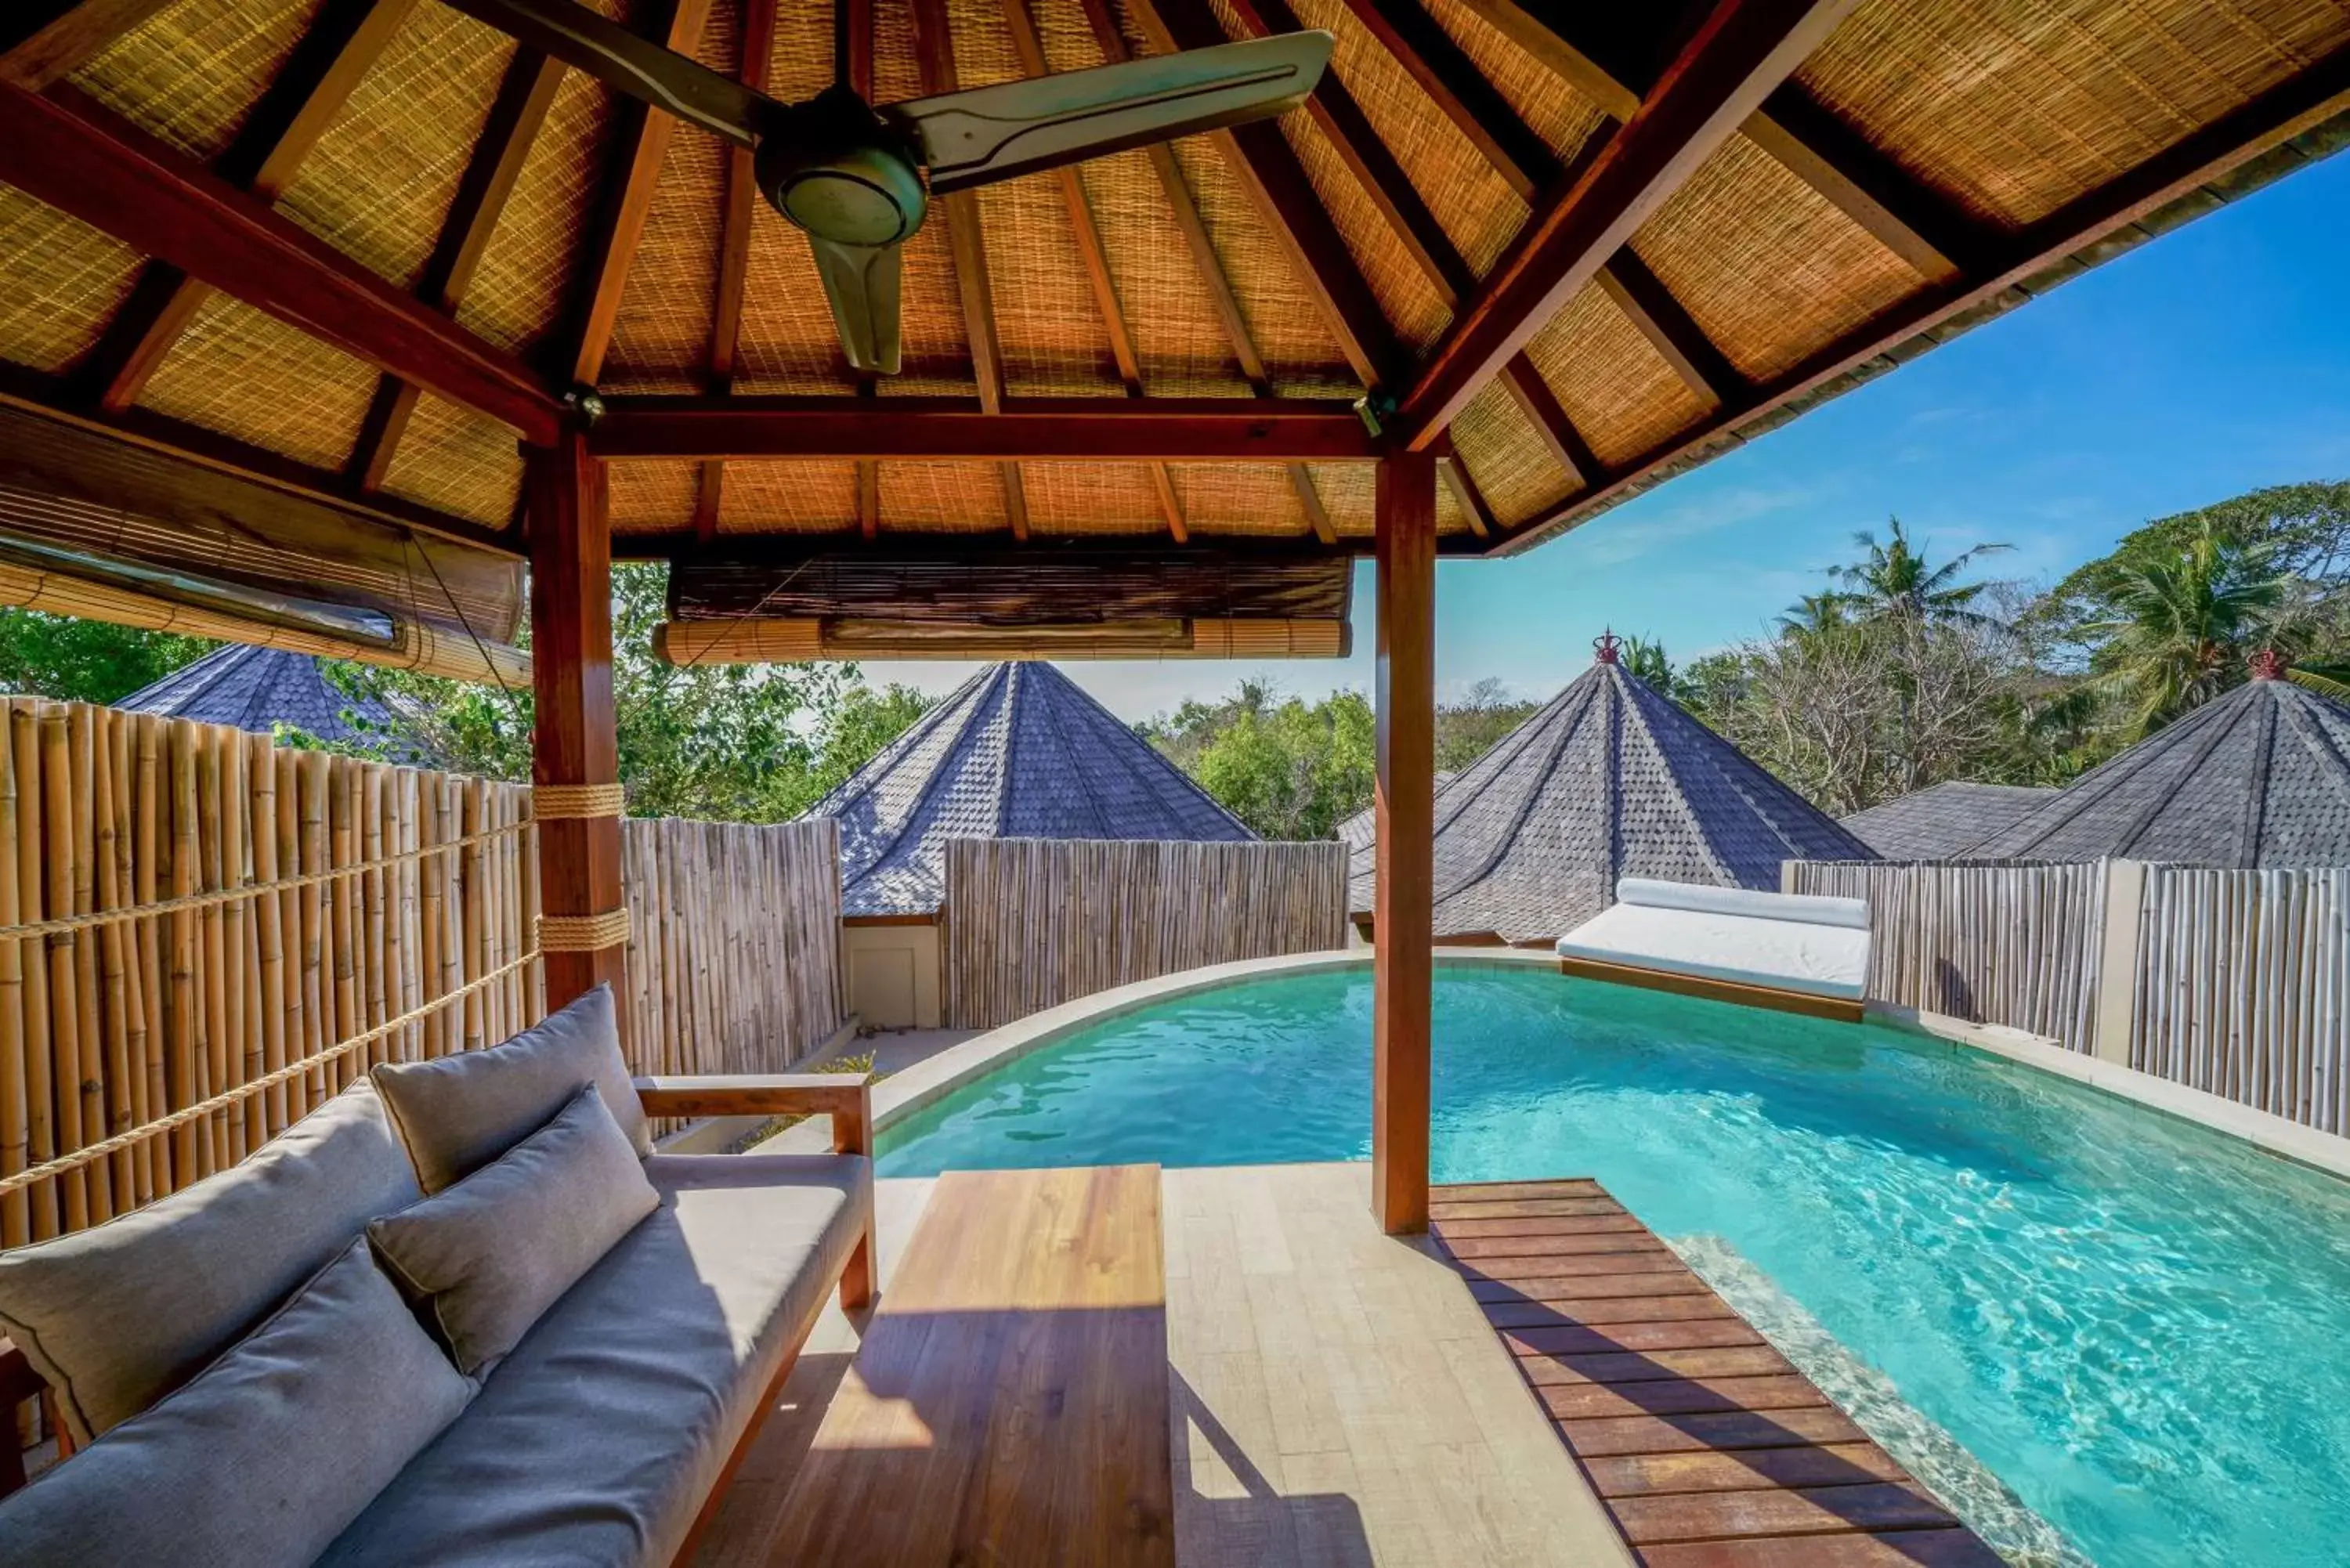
1607, 642
2267, 664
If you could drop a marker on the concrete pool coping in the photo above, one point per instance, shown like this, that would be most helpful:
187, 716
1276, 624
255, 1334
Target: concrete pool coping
906, 1094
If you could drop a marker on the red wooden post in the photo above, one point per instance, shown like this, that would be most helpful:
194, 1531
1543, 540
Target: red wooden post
1403, 914
574, 748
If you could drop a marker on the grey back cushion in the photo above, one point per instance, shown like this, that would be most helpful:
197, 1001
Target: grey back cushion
267, 1455
456, 1114
484, 1258
117, 1316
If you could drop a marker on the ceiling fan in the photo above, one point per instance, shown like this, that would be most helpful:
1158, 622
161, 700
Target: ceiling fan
858, 179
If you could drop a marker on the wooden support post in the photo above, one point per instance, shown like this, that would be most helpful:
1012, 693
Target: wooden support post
575, 746
1403, 915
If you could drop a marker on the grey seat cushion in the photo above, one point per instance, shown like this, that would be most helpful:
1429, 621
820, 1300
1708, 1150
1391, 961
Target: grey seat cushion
117, 1316
598, 1439
456, 1114
264, 1456
482, 1259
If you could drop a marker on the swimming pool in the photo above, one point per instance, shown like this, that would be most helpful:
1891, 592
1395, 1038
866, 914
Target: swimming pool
2139, 1326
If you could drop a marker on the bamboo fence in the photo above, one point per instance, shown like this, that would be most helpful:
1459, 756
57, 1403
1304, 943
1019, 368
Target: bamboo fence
271, 906
2243, 988
1031, 923
1992, 941
735, 952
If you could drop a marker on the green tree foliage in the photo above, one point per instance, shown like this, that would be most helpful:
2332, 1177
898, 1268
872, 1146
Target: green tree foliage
720, 742
1894, 578
44, 655
1468, 729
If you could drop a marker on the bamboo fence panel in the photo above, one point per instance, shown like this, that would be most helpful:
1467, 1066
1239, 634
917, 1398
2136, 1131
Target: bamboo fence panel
108, 1026
1031, 923
2243, 988
733, 962
1994, 942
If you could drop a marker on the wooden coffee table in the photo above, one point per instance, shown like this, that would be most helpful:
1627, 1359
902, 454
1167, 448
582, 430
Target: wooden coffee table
1009, 1404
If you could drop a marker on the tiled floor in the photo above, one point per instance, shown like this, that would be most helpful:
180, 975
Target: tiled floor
1337, 1396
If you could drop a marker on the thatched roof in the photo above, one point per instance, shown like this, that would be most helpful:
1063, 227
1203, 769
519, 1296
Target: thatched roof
1018, 751
1942, 820
1610, 780
2258, 778
258, 689
1469, 221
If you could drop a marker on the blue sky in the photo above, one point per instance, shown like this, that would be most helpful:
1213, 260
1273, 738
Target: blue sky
2211, 361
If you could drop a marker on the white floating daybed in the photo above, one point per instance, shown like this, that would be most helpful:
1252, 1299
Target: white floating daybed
1786, 951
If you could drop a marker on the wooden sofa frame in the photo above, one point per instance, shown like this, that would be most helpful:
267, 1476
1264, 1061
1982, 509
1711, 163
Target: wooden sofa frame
847, 1098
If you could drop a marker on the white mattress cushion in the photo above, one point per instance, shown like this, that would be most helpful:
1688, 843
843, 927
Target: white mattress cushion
1819, 960
1809, 908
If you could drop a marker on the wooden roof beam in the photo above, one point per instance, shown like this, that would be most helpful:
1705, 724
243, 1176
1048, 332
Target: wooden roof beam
1043, 429
525, 95
1030, 48
1457, 480
741, 201
304, 98
1643, 300
934, 48
1743, 50
1268, 167
1210, 267
2242, 150
641, 147
61, 149
48, 38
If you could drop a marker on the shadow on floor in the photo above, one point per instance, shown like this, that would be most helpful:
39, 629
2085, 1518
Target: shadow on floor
1263, 1526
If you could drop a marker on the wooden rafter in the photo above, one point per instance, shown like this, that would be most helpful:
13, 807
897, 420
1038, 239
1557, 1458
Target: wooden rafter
1463, 485
1901, 214
2241, 149
1268, 167
45, 40
304, 98
1743, 50
524, 96
1439, 261
1009, 431
642, 146
1428, 54
1651, 307
1210, 268
758, 47
934, 46
61, 149
1030, 48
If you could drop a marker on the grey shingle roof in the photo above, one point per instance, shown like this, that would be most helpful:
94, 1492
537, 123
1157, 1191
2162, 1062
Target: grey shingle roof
1942, 820
1610, 780
258, 688
2258, 778
1016, 752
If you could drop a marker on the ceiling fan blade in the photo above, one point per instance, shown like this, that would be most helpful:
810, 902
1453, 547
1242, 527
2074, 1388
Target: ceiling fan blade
668, 81
993, 133
861, 283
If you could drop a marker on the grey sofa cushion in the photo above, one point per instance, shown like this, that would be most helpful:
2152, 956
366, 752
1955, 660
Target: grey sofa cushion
483, 1259
456, 1114
117, 1316
265, 1456
598, 1439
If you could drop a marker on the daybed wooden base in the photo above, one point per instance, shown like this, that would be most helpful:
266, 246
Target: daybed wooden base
1843, 1010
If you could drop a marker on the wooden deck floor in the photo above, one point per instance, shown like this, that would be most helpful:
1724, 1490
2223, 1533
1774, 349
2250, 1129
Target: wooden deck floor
1706, 1446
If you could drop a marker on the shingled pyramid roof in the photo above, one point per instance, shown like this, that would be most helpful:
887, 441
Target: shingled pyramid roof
1610, 780
1018, 751
2258, 778
258, 689
1943, 820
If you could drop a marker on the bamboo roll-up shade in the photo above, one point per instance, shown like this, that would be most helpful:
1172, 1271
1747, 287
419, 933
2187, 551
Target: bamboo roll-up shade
421, 646
754, 639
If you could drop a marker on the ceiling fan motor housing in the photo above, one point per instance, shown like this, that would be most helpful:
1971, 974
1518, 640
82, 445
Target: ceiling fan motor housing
843, 173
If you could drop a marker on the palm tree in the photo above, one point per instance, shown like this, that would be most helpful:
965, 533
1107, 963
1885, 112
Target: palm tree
2184, 624
1894, 578
1815, 613
1647, 659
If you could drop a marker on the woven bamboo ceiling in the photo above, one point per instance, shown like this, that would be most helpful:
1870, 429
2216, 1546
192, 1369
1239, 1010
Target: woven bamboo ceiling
351, 251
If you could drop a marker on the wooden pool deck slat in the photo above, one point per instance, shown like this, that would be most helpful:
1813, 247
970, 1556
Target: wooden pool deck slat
1709, 1448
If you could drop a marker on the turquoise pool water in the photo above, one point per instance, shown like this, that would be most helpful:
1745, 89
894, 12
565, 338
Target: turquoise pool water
2141, 1327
